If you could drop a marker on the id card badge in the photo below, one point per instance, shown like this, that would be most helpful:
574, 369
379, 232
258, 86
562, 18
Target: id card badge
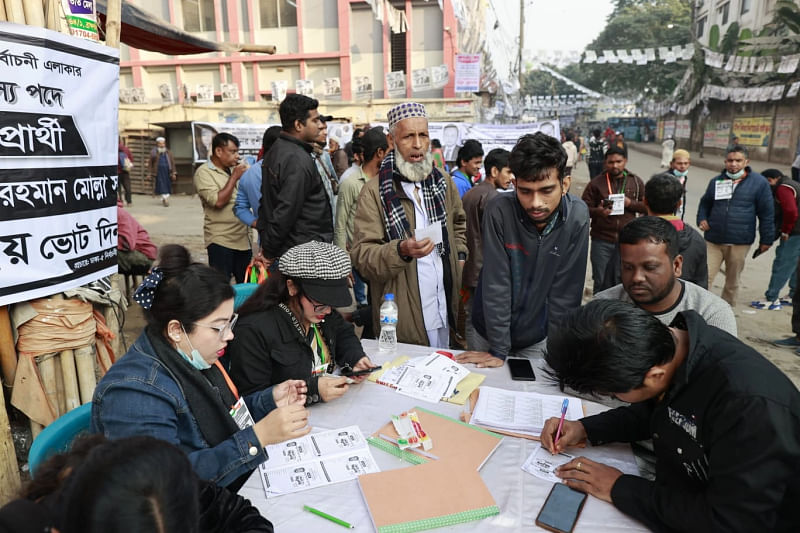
723, 190
618, 205
241, 414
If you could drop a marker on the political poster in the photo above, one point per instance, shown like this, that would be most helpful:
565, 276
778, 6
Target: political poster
440, 76
669, 128
783, 132
716, 135
421, 79
58, 162
683, 129
396, 83
468, 72
363, 85
752, 131
250, 138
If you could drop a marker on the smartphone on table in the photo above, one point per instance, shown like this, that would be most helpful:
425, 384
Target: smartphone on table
561, 510
349, 373
521, 369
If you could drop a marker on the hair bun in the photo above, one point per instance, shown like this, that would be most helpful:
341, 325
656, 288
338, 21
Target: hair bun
173, 259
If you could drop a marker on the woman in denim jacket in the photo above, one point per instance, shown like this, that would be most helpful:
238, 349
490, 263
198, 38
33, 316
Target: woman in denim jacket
171, 386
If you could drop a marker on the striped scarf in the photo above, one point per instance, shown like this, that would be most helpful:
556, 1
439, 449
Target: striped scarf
434, 188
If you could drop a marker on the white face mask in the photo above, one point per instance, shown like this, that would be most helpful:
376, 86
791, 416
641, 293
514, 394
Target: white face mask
196, 360
735, 175
680, 174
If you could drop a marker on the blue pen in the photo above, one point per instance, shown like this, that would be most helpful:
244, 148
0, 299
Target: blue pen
564, 407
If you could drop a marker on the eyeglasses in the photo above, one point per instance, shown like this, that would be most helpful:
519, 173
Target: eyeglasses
224, 329
318, 307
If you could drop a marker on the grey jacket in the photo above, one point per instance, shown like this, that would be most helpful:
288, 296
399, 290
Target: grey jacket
529, 281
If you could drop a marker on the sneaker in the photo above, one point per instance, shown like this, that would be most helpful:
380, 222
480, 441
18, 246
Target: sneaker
765, 304
786, 300
789, 342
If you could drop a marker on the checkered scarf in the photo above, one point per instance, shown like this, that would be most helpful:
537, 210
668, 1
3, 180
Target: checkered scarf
434, 188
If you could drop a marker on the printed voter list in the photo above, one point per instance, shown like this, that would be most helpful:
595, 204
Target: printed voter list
58, 162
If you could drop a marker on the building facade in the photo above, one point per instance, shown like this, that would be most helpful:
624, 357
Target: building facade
748, 14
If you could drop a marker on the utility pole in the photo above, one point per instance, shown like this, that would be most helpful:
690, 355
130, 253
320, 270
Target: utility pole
521, 40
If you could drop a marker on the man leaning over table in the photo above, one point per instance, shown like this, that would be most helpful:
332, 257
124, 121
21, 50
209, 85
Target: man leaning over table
725, 422
535, 244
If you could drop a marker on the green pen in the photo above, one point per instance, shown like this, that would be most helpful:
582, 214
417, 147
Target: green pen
328, 517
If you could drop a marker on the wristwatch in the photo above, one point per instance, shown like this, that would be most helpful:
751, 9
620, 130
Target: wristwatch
405, 258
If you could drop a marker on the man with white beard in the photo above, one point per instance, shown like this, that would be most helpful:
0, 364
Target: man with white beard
412, 196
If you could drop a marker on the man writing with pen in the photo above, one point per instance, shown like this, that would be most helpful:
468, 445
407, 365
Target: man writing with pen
725, 422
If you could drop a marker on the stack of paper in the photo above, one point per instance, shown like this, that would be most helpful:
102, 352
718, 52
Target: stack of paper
428, 378
316, 459
523, 413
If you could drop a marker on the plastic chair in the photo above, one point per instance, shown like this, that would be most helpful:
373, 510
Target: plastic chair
241, 292
58, 436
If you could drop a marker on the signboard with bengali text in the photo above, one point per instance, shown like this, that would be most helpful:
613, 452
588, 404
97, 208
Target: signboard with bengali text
753, 131
58, 162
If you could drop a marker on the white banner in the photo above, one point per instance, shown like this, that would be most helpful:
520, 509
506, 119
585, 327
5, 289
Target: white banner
468, 73
58, 162
453, 134
250, 138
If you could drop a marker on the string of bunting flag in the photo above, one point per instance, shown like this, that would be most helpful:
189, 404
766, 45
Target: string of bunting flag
734, 94
785, 64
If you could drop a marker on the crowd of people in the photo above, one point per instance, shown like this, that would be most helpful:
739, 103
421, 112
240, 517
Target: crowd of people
219, 384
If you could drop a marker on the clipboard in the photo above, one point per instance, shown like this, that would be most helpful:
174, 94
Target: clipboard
466, 415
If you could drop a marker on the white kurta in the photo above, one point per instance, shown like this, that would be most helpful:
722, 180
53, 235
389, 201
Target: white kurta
430, 276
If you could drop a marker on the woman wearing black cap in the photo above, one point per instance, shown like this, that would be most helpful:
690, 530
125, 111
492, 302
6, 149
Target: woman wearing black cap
289, 327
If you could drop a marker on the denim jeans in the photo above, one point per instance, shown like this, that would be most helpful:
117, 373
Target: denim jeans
784, 268
359, 289
601, 253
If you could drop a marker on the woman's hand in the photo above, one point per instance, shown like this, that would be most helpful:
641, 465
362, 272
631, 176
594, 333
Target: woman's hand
290, 392
331, 388
283, 423
363, 364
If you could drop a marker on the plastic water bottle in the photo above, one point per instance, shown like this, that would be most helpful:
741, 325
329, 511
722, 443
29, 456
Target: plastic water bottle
387, 342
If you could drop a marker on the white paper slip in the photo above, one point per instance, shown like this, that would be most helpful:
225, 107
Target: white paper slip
542, 464
423, 385
317, 459
618, 203
442, 366
432, 232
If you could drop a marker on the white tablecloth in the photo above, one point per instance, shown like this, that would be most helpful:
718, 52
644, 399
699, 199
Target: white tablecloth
519, 495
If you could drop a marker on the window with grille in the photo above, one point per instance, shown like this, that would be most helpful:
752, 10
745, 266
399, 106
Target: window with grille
398, 47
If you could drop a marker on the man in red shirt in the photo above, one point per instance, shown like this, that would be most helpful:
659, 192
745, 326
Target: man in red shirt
787, 201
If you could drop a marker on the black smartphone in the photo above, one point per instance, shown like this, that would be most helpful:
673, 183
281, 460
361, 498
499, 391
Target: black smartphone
521, 369
350, 373
757, 253
561, 510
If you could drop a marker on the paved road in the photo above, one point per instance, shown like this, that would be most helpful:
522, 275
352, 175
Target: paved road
182, 223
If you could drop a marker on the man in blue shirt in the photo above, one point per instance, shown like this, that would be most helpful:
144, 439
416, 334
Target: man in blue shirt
249, 195
468, 161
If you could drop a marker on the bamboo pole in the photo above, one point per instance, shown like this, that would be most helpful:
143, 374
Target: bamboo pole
15, 12
34, 13
8, 352
87, 379
113, 22
61, 407
36, 428
9, 469
72, 397
3, 17
47, 371
52, 14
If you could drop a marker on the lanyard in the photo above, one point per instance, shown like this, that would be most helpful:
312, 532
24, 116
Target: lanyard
622, 189
225, 375
320, 346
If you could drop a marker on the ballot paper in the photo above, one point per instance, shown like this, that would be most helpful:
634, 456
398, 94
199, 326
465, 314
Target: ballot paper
520, 412
316, 459
542, 464
429, 378
617, 203
432, 232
